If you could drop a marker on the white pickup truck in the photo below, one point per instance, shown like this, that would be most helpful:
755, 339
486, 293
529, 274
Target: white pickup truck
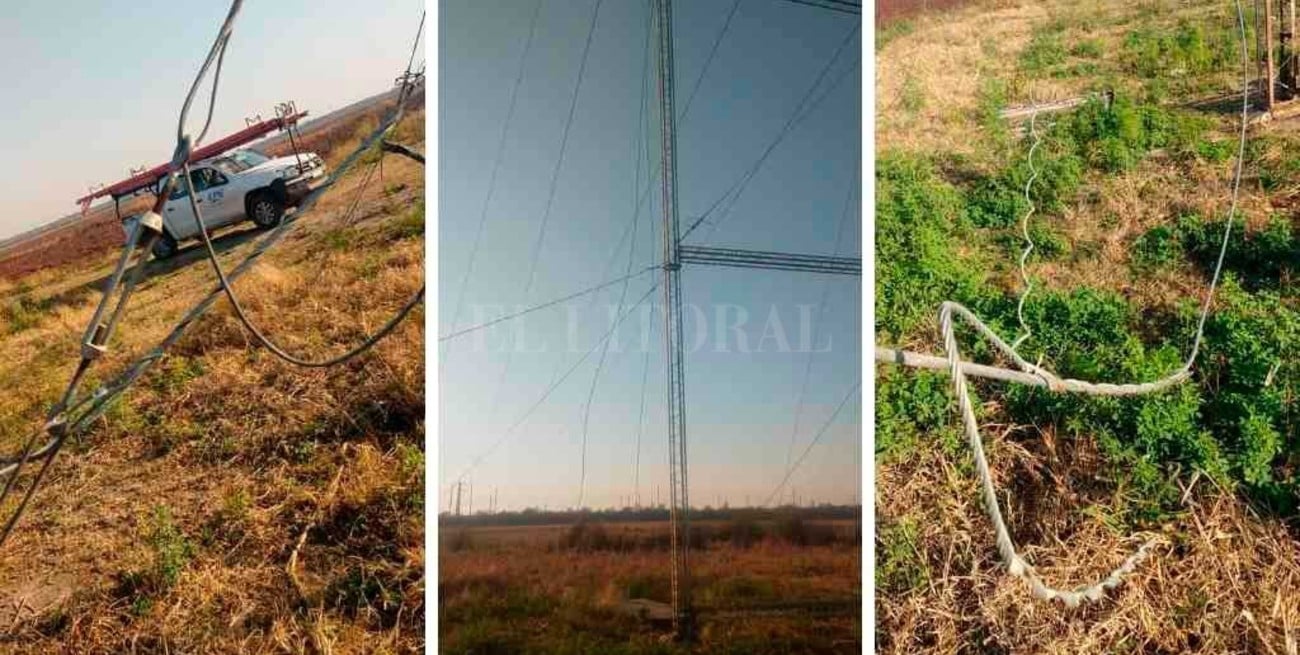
231, 187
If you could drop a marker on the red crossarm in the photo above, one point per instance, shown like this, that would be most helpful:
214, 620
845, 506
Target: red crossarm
148, 178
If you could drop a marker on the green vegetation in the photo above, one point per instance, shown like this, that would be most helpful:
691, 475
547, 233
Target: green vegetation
911, 405
1237, 422
1043, 52
1087, 49
992, 100
912, 96
1047, 56
410, 225
170, 551
1189, 49
174, 372
1097, 136
1264, 259
892, 30
899, 565
920, 220
1156, 248
23, 313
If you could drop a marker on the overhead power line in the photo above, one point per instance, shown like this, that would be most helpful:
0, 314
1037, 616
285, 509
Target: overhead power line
801, 111
536, 253
642, 197
821, 311
708, 61
541, 306
842, 6
771, 260
496, 164
555, 384
816, 438
564, 145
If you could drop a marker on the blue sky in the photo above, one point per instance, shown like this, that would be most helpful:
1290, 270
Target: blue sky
741, 406
94, 88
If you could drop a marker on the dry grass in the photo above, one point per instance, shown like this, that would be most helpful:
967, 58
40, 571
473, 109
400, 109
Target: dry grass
1102, 226
238, 447
932, 76
944, 60
523, 593
1224, 579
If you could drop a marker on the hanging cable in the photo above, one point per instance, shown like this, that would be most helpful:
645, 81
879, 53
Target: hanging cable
536, 252
549, 303
555, 384
796, 117
816, 438
708, 61
72, 414
496, 165
266, 342
821, 308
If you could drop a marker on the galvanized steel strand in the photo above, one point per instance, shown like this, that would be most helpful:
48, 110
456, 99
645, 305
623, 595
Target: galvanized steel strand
958, 369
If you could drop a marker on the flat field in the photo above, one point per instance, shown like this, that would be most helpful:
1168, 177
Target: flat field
778, 586
230, 502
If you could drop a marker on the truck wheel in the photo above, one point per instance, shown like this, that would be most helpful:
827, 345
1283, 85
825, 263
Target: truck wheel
165, 247
265, 210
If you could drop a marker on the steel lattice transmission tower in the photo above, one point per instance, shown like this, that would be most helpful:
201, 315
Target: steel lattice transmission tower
679, 498
674, 255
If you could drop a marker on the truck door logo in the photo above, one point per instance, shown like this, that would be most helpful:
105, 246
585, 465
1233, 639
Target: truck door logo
214, 196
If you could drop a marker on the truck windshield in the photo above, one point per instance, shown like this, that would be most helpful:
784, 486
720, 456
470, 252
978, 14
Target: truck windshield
239, 160
249, 158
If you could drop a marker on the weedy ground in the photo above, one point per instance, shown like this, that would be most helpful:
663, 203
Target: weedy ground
230, 502
562, 589
1131, 199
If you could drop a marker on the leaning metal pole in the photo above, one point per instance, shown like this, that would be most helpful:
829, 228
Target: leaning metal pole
679, 508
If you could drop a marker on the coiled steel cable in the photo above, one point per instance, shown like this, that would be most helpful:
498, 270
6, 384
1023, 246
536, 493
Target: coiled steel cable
957, 368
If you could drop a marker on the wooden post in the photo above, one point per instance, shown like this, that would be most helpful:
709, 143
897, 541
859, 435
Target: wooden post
1291, 76
1259, 51
1270, 70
